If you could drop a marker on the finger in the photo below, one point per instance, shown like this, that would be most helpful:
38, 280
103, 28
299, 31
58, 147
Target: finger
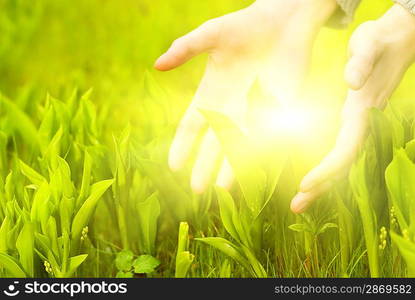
206, 162
341, 157
186, 135
364, 54
302, 201
198, 41
358, 70
225, 176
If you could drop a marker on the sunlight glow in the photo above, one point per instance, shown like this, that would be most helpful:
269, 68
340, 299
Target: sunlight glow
289, 121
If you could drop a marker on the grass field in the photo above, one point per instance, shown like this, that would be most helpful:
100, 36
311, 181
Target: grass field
85, 127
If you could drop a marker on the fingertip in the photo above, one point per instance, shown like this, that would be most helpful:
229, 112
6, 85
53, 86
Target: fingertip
224, 183
175, 164
354, 79
225, 176
298, 204
198, 186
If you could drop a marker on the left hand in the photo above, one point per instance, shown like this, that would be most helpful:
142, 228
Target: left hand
381, 52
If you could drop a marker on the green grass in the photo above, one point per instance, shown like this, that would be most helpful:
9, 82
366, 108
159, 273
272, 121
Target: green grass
85, 127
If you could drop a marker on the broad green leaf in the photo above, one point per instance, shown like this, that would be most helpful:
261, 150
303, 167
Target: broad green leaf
66, 210
21, 123
184, 260
145, 264
124, 260
121, 274
40, 201
74, 263
4, 230
148, 212
225, 269
82, 217
183, 239
358, 183
227, 211
86, 178
53, 150
410, 150
299, 227
407, 250
52, 233
400, 178
12, 266
31, 174
326, 226
258, 269
168, 187
227, 248
24, 245
383, 137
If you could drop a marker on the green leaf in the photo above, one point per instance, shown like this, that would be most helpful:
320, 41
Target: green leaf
227, 248
325, 227
410, 150
168, 186
400, 178
4, 230
124, 260
145, 264
238, 150
358, 183
40, 201
21, 123
121, 274
407, 250
12, 266
227, 211
24, 245
148, 212
31, 174
183, 239
86, 178
184, 260
257, 267
82, 217
298, 227
74, 263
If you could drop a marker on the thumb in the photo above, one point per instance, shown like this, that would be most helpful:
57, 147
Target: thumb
186, 47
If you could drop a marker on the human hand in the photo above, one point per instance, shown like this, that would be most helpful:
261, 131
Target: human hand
272, 40
381, 52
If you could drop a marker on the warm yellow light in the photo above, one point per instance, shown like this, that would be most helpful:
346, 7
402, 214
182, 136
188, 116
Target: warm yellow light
289, 121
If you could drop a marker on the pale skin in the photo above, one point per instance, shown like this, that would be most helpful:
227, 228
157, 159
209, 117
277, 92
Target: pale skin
272, 40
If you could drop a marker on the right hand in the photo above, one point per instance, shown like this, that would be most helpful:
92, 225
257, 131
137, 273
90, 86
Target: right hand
380, 53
